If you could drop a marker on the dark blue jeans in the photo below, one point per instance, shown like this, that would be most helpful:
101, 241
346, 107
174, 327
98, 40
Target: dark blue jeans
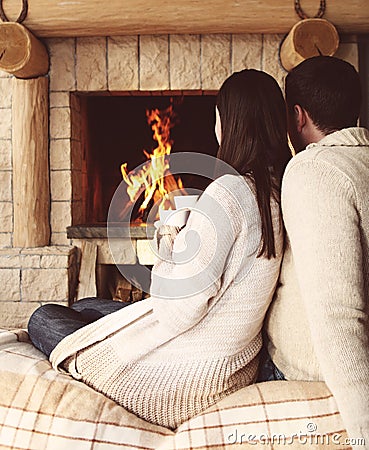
50, 323
268, 371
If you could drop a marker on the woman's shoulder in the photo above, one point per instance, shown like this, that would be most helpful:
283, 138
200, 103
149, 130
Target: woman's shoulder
232, 194
233, 184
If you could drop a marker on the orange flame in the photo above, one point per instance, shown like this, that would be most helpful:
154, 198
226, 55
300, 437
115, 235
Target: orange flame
154, 174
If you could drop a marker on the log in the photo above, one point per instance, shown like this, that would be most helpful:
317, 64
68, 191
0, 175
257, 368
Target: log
31, 191
136, 294
21, 53
307, 38
53, 18
121, 289
87, 274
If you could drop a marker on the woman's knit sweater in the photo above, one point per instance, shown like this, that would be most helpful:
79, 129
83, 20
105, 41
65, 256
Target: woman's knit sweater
196, 339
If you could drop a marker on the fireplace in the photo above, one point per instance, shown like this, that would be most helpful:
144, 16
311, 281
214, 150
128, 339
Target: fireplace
119, 133
116, 130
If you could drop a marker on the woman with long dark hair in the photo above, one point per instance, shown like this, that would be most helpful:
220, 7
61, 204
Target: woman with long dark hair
198, 337
259, 147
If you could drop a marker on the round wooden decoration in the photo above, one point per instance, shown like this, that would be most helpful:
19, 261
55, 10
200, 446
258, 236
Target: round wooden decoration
307, 38
21, 53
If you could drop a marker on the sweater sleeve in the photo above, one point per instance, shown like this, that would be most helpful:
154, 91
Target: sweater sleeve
185, 281
322, 219
164, 239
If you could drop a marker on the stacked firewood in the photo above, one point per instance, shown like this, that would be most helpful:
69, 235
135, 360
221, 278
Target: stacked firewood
123, 291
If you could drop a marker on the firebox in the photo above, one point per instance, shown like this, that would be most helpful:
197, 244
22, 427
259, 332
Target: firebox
118, 135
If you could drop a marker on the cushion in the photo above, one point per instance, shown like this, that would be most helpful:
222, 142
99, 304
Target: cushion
43, 409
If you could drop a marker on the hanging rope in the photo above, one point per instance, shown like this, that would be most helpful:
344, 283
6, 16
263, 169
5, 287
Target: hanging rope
300, 12
22, 15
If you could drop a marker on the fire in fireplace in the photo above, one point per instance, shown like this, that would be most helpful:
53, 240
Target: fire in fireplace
122, 132
154, 175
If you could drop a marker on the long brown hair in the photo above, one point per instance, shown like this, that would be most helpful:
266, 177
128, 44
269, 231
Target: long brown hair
254, 138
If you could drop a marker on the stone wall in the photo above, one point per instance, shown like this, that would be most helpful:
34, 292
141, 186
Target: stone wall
29, 277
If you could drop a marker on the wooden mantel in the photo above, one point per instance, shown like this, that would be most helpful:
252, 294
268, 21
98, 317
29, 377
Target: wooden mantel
51, 18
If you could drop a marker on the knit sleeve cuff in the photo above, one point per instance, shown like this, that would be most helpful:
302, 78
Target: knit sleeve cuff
164, 239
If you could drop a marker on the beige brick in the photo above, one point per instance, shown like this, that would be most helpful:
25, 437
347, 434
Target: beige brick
55, 261
60, 127
60, 154
145, 252
61, 185
13, 251
6, 92
10, 284
246, 51
49, 250
44, 284
348, 52
10, 262
52, 257
123, 63
216, 60
154, 62
185, 61
62, 65
5, 154
60, 99
30, 261
10, 258
270, 61
116, 251
5, 186
60, 216
15, 315
91, 64
6, 240
59, 239
104, 255
63, 302
6, 123
6, 217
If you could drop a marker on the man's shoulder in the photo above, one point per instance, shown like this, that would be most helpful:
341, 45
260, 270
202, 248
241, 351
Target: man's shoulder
345, 150
313, 162
325, 167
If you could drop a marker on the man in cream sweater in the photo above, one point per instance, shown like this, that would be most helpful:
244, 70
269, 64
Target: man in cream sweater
318, 323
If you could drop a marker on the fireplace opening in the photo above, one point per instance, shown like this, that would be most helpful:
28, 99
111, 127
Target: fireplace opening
116, 130
111, 130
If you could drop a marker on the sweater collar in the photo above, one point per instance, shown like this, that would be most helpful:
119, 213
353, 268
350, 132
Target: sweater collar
353, 137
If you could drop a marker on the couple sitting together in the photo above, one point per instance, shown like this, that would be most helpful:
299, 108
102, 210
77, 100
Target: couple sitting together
277, 287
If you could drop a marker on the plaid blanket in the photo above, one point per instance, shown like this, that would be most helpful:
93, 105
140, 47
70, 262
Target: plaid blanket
41, 409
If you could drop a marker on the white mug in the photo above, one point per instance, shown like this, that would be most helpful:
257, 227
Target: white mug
185, 201
173, 217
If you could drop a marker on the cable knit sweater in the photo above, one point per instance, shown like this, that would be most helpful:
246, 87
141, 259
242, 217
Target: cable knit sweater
318, 322
196, 339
